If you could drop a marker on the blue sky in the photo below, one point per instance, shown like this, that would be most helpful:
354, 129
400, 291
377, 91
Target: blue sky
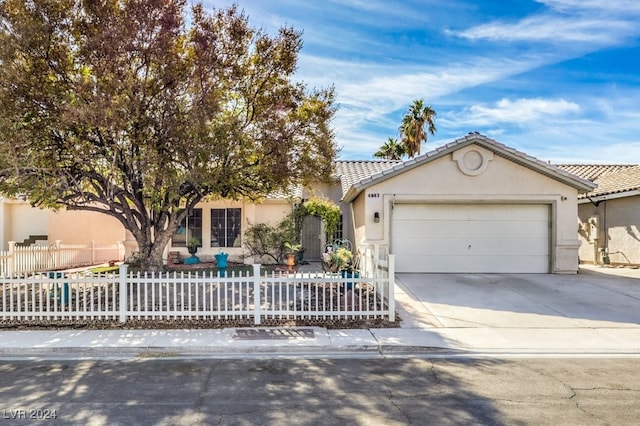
556, 79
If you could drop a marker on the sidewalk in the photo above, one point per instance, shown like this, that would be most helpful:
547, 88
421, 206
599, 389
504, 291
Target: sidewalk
317, 341
421, 333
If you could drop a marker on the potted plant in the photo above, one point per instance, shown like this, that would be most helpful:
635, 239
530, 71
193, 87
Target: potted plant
292, 250
193, 245
339, 259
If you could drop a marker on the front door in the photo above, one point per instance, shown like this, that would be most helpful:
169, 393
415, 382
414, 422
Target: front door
312, 238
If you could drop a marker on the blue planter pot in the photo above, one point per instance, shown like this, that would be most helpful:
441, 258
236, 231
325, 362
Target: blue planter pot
346, 274
221, 260
63, 291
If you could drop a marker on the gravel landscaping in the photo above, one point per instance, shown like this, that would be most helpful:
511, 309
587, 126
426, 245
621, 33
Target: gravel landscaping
332, 324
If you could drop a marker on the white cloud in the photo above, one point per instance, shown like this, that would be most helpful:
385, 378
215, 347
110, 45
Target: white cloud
591, 21
611, 6
555, 30
516, 112
392, 87
380, 59
377, 98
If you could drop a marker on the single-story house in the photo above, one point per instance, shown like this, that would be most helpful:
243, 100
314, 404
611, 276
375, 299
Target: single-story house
473, 205
609, 216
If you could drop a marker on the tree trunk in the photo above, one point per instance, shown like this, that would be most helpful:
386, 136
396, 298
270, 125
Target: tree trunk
151, 252
152, 262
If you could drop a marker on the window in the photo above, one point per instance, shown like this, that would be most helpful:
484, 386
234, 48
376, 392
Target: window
190, 227
339, 234
225, 227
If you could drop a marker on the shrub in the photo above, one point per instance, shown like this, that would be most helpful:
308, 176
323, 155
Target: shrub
267, 241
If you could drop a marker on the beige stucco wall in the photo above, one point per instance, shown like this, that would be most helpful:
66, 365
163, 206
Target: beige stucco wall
4, 224
613, 225
360, 223
82, 227
441, 180
20, 220
268, 211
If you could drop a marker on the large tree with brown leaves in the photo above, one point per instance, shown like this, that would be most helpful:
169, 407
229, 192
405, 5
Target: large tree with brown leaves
120, 107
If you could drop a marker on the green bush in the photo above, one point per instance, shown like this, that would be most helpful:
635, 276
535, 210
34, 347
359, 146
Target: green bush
268, 241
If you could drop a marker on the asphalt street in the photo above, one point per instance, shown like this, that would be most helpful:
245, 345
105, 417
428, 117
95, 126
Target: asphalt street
399, 391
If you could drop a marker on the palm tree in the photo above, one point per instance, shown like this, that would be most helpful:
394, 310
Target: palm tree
391, 150
412, 129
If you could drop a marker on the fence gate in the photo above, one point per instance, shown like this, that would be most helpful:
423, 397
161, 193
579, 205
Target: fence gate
311, 238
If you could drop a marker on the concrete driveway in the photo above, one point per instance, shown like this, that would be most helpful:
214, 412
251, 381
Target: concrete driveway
595, 298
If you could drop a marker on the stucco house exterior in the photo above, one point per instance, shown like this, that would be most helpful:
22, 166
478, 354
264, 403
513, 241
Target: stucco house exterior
609, 215
23, 223
219, 225
473, 205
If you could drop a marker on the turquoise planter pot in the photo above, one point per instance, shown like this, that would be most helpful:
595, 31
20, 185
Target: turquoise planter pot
346, 274
221, 260
62, 293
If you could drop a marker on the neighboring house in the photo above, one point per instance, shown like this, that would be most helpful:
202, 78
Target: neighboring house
609, 216
473, 205
23, 223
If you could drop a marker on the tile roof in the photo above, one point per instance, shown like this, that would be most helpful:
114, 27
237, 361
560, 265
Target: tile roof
614, 183
352, 172
610, 178
594, 171
295, 191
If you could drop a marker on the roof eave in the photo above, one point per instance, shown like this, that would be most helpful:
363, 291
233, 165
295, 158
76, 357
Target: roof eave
608, 196
580, 184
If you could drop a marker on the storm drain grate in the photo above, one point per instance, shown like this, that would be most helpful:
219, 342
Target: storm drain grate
273, 334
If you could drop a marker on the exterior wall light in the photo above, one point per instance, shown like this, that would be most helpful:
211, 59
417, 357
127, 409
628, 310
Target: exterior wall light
376, 217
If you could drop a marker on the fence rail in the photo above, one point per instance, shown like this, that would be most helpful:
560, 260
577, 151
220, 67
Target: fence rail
56, 296
39, 258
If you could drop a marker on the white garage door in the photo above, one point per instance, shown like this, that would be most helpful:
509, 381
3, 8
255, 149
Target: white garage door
500, 238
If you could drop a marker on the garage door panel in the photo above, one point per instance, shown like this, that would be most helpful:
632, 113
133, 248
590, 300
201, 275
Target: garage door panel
430, 229
433, 212
475, 264
457, 242
523, 229
475, 247
480, 229
435, 247
508, 247
471, 238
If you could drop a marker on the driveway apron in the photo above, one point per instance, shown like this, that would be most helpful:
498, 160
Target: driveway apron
594, 298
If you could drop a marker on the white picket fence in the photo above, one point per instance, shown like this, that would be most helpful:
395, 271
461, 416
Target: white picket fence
56, 296
39, 258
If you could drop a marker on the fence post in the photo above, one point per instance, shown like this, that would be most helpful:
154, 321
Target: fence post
392, 287
257, 299
123, 292
58, 253
122, 250
11, 261
376, 256
367, 271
